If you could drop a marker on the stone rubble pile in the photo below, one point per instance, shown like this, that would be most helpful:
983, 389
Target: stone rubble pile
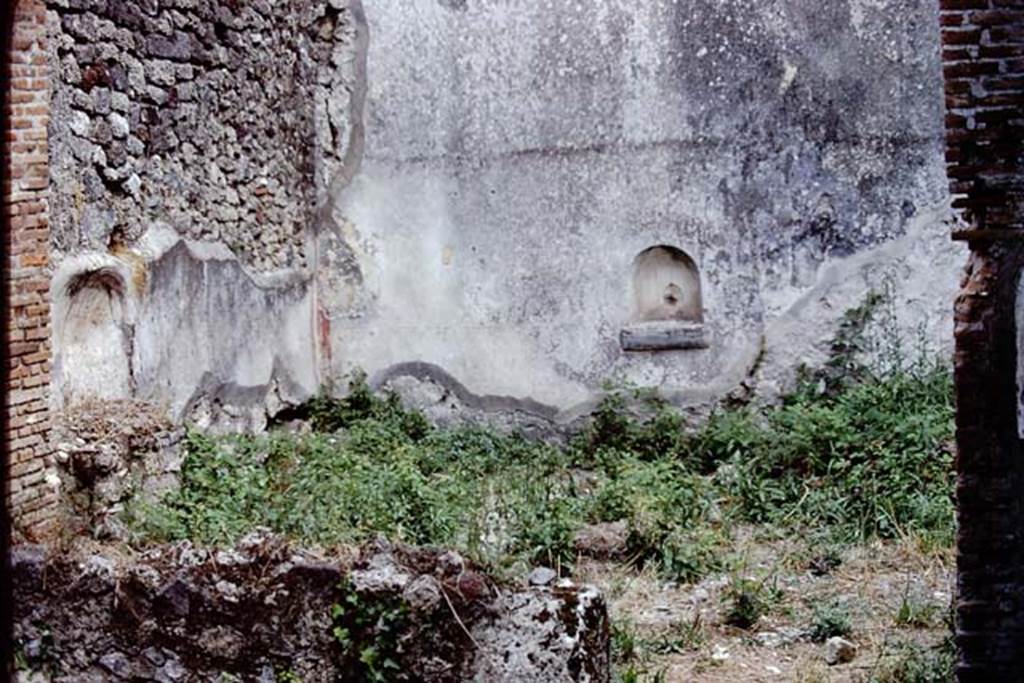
106, 453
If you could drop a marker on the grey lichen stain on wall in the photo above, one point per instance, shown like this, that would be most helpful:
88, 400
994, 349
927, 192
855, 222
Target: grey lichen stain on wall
836, 105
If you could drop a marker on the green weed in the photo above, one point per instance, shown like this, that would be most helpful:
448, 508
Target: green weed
369, 634
829, 621
624, 641
685, 636
747, 600
915, 612
915, 663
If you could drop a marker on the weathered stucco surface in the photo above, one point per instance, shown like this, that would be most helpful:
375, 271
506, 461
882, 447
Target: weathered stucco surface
519, 157
204, 339
465, 187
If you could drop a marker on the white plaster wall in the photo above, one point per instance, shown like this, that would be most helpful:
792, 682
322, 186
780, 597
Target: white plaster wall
518, 156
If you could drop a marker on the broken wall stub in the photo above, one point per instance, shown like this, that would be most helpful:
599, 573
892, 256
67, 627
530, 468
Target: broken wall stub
264, 611
983, 41
109, 455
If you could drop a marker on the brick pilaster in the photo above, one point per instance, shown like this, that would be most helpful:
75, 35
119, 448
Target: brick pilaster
983, 68
32, 500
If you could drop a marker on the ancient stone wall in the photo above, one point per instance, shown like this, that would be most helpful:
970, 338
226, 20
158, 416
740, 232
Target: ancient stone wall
481, 182
181, 150
26, 196
211, 116
192, 146
983, 64
266, 612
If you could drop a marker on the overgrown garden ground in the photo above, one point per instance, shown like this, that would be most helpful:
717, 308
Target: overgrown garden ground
744, 543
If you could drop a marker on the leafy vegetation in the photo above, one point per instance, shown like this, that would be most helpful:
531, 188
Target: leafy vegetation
830, 620
916, 612
859, 451
684, 636
369, 634
867, 461
747, 600
911, 662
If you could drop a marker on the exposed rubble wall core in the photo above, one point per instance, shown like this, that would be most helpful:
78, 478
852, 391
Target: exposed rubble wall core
263, 611
217, 118
983, 45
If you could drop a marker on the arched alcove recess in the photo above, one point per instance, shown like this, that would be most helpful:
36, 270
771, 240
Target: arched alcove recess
93, 344
668, 310
666, 286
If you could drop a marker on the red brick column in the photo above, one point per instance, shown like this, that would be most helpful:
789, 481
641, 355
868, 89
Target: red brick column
32, 499
983, 66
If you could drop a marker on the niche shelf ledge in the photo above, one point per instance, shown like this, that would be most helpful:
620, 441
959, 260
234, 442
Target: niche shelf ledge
663, 335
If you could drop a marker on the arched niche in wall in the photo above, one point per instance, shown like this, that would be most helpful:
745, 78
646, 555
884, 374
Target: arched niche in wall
93, 343
668, 311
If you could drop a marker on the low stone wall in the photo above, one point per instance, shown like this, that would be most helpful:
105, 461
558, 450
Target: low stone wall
267, 612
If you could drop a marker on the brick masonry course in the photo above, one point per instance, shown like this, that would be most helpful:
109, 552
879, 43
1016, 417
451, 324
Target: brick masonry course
983, 41
32, 498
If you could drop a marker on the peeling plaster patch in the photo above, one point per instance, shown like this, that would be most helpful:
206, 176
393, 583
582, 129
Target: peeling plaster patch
202, 330
93, 310
789, 72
